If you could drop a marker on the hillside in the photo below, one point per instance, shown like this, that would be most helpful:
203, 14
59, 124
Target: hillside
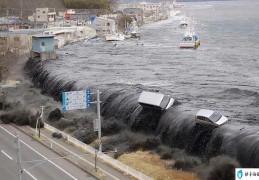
30, 4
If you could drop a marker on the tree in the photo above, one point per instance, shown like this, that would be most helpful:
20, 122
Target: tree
113, 4
87, 4
123, 20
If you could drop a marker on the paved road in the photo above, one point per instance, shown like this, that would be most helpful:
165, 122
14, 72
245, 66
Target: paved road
30, 151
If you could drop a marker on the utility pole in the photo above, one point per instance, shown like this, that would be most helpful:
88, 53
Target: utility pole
42, 115
18, 152
21, 8
38, 121
41, 118
99, 120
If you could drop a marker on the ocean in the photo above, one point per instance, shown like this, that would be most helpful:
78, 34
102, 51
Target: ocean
222, 74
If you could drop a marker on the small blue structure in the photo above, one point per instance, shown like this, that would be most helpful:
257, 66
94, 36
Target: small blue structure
43, 46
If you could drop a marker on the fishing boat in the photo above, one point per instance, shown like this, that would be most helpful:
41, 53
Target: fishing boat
190, 40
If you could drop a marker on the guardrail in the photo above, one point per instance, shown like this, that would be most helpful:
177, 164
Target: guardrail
102, 156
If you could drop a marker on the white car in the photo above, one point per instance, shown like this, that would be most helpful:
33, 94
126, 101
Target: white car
155, 100
205, 116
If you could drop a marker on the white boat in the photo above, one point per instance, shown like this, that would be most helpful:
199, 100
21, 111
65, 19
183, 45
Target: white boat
190, 40
114, 37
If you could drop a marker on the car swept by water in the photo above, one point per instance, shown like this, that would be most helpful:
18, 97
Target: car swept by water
209, 117
220, 75
155, 100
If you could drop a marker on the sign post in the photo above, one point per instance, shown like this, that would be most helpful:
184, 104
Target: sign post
99, 120
74, 100
81, 100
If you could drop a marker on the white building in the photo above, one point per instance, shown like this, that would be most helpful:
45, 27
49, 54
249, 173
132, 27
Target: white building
104, 25
43, 15
145, 6
65, 35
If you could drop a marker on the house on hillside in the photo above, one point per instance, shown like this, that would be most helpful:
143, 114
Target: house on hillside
10, 23
104, 25
43, 15
77, 19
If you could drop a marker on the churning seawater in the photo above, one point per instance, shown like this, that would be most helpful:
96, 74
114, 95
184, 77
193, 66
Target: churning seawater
222, 75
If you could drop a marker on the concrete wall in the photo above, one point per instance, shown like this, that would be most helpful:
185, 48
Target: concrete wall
16, 43
47, 56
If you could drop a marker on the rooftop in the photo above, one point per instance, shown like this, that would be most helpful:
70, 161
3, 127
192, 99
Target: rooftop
43, 36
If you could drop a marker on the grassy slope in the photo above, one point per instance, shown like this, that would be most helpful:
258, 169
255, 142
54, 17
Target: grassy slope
154, 167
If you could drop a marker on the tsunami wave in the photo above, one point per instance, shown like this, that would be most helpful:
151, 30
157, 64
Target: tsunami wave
175, 127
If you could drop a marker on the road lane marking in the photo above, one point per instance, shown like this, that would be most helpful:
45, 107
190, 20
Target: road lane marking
40, 154
7, 155
71, 152
30, 174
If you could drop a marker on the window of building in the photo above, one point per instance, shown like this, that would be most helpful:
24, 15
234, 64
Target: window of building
42, 43
108, 24
43, 12
38, 16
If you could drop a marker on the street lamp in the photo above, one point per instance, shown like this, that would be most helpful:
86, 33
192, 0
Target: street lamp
37, 122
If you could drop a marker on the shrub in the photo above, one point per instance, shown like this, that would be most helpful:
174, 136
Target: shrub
6, 118
164, 152
148, 143
188, 163
87, 4
63, 124
111, 127
222, 168
3, 104
85, 136
55, 115
57, 135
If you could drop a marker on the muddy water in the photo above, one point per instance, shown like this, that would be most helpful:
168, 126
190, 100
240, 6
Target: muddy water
222, 74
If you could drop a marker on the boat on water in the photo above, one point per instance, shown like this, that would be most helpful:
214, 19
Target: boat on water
190, 40
114, 37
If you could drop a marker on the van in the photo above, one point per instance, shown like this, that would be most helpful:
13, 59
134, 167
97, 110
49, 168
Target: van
155, 100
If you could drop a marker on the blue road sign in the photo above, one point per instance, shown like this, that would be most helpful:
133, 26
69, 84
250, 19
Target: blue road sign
74, 100
88, 98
